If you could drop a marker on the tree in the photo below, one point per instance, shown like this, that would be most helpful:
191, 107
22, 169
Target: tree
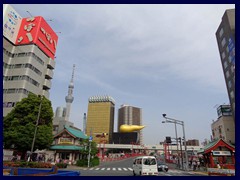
19, 125
85, 143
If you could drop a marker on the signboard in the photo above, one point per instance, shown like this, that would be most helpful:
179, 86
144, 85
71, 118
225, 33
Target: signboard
224, 110
35, 30
90, 138
11, 23
221, 153
65, 141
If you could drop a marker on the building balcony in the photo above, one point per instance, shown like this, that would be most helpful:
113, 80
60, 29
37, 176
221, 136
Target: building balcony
49, 74
47, 84
51, 63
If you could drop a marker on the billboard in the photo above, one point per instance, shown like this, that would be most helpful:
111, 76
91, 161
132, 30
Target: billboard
35, 30
11, 23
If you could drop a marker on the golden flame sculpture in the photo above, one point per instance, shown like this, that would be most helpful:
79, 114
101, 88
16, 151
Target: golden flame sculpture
130, 128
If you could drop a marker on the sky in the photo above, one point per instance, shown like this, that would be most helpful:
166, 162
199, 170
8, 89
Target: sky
162, 58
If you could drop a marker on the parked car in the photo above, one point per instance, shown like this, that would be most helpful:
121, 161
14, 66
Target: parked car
162, 167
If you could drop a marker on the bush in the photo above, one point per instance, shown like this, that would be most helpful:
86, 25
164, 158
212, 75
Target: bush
95, 161
61, 165
28, 164
84, 162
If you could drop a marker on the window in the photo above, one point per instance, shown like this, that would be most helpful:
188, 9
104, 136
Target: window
223, 55
221, 32
223, 42
229, 84
232, 94
225, 64
227, 74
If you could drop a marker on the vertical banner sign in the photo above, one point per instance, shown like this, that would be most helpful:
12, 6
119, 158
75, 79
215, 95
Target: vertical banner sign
11, 23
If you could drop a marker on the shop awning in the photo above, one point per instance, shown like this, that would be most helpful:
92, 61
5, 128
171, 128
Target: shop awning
61, 147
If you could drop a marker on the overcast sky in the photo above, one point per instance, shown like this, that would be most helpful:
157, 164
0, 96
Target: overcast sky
161, 58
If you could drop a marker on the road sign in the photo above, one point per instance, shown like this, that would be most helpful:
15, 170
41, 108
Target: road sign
90, 138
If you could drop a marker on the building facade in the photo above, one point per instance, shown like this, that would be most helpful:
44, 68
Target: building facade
67, 145
100, 118
224, 126
226, 44
192, 142
130, 115
29, 47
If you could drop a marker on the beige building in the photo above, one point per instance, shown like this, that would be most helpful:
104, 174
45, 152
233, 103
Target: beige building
100, 119
224, 126
28, 64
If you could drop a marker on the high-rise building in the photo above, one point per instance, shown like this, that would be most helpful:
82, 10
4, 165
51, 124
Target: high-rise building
225, 35
29, 47
100, 118
131, 116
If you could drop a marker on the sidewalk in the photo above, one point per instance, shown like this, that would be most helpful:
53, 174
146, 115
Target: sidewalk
200, 171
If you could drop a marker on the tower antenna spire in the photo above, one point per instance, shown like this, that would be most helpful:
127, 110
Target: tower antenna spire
69, 98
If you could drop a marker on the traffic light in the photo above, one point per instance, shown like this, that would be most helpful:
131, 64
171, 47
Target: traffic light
168, 139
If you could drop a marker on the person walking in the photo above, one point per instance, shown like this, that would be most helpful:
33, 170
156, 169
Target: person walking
198, 165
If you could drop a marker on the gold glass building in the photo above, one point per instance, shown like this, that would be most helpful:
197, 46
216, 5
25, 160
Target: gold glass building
100, 119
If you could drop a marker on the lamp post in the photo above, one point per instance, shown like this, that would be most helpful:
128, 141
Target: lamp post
175, 121
176, 142
35, 132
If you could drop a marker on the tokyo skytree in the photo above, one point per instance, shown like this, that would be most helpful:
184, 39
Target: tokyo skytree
69, 98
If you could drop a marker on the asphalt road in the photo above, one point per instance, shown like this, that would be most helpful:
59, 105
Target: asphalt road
124, 168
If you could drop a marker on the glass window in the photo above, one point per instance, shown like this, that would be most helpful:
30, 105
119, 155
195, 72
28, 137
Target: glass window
229, 84
227, 74
225, 64
221, 32
223, 55
232, 94
223, 42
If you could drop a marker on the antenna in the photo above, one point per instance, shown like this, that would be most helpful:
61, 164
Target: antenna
73, 72
29, 13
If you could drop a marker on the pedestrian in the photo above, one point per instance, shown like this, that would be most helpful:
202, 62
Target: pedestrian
198, 165
194, 165
218, 165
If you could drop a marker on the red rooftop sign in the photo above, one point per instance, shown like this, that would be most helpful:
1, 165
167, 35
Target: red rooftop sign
35, 30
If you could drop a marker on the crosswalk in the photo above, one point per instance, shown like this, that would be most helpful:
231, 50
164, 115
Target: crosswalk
109, 169
171, 172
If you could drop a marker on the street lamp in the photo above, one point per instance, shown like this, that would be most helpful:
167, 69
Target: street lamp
35, 132
164, 115
175, 121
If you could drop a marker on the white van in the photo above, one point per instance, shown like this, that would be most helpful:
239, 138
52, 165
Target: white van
145, 166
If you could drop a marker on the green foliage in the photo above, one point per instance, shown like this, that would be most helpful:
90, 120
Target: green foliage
85, 143
95, 161
19, 125
84, 162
